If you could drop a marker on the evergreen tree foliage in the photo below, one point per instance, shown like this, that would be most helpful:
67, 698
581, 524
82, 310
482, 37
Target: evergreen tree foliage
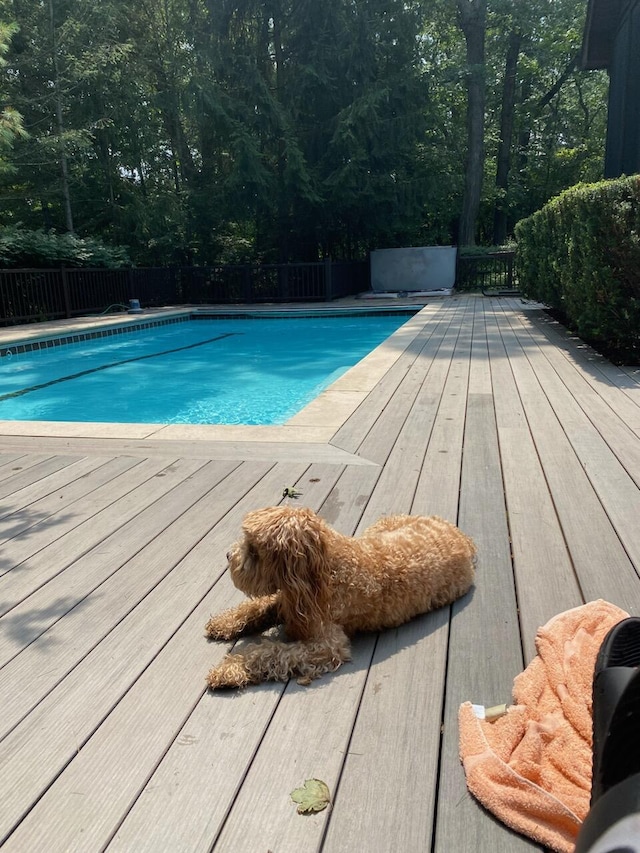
201, 131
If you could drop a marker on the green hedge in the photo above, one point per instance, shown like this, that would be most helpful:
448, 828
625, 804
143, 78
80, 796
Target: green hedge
20, 247
580, 255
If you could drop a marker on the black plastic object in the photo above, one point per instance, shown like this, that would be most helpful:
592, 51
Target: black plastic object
616, 707
615, 787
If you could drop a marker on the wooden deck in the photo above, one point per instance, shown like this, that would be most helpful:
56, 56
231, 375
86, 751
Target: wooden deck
112, 560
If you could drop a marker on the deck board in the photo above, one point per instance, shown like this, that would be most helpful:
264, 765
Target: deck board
352, 435
616, 489
92, 689
9, 458
612, 415
31, 505
538, 547
485, 639
113, 559
32, 560
30, 471
391, 766
226, 757
408, 665
92, 595
607, 378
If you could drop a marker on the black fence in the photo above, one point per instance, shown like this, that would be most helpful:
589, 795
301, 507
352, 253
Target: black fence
33, 295
311, 282
493, 272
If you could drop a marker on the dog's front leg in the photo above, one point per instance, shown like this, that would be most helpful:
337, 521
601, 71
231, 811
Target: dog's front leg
250, 617
277, 661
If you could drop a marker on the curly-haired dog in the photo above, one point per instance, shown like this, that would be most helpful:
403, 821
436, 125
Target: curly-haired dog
324, 587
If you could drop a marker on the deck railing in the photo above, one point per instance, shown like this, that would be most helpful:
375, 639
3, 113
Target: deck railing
30, 295
493, 272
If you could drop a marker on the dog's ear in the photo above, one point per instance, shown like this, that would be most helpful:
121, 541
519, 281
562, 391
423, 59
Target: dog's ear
292, 544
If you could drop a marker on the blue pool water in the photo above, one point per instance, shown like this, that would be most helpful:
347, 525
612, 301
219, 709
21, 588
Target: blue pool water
223, 371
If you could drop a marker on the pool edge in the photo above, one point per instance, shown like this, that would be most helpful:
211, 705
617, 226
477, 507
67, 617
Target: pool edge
317, 422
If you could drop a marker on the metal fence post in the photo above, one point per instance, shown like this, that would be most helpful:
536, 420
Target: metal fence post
510, 271
173, 285
246, 284
65, 291
283, 276
328, 288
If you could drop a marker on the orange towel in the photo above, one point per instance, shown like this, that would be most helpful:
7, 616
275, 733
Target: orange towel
532, 766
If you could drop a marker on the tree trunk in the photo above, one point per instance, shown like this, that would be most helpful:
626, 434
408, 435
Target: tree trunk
184, 167
472, 16
200, 34
66, 195
283, 200
539, 106
507, 115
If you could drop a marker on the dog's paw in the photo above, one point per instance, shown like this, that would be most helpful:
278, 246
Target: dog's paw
230, 672
218, 628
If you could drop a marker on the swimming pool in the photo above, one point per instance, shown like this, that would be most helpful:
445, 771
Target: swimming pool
205, 371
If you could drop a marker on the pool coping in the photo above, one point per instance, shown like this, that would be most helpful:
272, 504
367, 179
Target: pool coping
316, 423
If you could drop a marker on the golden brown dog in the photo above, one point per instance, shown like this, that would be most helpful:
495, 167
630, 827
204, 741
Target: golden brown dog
323, 587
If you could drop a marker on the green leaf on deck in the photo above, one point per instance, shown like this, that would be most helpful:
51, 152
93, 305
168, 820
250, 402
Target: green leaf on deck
290, 492
314, 796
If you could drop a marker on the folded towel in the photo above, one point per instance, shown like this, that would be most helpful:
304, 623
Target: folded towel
531, 767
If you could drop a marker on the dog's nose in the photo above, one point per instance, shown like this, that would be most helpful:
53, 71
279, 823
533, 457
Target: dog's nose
228, 556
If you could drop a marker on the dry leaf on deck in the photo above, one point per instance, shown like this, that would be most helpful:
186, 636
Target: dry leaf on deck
314, 796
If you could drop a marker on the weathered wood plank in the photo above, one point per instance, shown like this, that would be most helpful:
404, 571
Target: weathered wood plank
36, 467
407, 671
8, 461
200, 775
33, 504
538, 547
438, 488
428, 372
391, 766
307, 738
406, 438
485, 652
82, 811
347, 500
357, 428
618, 385
25, 458
598, 478
95, 518
305, 722
22, 547
95, 595
250, 449
605, 410
179, 776
31, 758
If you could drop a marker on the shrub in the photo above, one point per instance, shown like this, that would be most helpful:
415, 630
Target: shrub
580, 255
20, 247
